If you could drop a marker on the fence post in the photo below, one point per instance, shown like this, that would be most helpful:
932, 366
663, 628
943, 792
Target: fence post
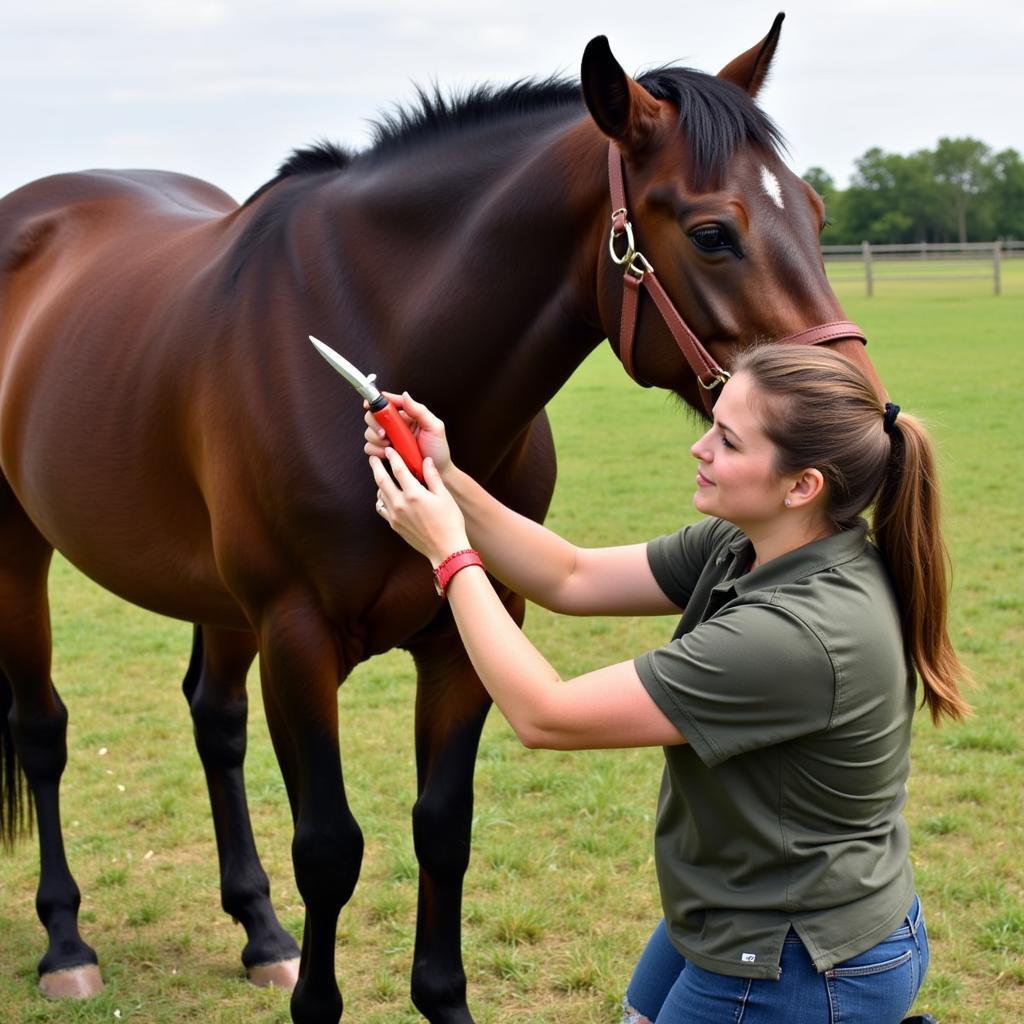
865, 248
997, 254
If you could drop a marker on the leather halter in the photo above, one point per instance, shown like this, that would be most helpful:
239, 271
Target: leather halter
638, 271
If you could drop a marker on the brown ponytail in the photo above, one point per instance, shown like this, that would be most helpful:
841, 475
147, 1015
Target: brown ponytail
820, 411
906, 530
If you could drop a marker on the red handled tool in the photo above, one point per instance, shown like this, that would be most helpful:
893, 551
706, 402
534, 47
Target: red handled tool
384, 412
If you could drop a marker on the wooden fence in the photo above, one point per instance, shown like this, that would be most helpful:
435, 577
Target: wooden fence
923, 261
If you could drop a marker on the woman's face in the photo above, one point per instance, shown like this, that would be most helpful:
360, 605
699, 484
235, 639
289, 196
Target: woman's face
736, 478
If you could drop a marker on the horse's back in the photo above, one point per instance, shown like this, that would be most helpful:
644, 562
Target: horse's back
59, 230
81, 190
72, 218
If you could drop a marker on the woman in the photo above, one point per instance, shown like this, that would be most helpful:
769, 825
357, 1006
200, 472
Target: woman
784, 700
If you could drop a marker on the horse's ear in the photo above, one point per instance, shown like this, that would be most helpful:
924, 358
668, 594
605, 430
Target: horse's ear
623, 109
750, 69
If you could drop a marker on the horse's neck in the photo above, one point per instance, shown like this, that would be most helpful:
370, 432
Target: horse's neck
478, 274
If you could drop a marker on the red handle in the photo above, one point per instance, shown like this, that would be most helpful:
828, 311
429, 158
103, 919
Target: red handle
401, 438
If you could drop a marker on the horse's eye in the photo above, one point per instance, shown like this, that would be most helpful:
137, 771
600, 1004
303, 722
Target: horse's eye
713, 238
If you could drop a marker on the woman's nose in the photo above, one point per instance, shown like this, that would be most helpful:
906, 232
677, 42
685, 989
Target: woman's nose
700, 449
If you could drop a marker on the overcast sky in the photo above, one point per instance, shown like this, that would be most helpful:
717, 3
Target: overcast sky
224, 90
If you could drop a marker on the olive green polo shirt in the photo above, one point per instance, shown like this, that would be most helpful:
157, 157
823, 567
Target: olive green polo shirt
793, 690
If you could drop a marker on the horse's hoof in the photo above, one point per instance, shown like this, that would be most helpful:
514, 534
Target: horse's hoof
284, 974
74, 983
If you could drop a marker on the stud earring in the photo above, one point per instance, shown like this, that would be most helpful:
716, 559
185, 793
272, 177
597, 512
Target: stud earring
788, 503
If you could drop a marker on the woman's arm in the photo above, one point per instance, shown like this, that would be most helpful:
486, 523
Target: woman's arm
529, 558
606, 708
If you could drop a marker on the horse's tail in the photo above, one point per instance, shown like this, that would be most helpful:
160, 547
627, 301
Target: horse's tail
15, 797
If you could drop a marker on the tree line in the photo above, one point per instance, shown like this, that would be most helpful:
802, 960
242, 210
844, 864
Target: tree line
961, 191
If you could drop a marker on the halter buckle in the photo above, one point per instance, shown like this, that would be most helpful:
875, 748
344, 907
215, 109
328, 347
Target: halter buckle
639, 265
717, 381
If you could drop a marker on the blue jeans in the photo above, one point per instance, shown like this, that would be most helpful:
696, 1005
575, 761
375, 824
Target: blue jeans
875, 987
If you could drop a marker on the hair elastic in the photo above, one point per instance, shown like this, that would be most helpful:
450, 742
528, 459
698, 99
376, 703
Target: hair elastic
889, 419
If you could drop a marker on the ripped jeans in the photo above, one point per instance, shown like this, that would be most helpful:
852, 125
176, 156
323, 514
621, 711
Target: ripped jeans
875, 987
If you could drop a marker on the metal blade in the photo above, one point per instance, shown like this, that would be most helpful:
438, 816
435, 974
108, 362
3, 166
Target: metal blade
360, 381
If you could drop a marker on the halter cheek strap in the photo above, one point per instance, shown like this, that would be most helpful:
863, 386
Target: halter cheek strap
637, 272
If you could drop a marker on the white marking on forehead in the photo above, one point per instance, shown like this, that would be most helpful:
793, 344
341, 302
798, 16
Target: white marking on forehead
772, 188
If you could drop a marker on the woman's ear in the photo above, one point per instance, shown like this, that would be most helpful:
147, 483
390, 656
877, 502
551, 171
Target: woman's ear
805, 489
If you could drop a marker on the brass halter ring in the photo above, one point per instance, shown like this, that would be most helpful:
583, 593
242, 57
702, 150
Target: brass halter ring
627, 230
635, 262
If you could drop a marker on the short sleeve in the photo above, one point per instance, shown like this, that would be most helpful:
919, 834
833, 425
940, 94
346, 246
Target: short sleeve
752, 676
678, 559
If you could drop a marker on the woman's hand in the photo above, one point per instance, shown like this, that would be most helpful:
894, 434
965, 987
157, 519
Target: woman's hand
425, 426
425, 515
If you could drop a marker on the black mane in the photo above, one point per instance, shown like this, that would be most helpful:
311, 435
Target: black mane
315, 159
716, 116
435, 114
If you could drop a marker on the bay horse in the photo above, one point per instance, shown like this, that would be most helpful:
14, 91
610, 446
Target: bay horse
165, 424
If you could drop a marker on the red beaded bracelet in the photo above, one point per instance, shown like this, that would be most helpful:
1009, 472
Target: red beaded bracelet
455, 562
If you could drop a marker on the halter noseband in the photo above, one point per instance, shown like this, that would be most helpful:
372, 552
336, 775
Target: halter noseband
638, 271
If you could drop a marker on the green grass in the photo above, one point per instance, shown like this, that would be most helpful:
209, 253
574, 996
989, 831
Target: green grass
561, 892
959, 362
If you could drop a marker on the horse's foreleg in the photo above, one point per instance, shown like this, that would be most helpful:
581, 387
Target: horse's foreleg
38, 726
451, 707
214, 686
300, 671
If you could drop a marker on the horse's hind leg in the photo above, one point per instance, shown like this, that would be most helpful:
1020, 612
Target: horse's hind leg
38, 726
214, 686
451, 707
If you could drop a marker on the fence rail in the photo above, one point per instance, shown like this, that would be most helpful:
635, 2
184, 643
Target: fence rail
927, 261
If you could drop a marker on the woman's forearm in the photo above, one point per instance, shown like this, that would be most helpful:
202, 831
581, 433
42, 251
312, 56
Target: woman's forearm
526, 556
517, 676
549, 570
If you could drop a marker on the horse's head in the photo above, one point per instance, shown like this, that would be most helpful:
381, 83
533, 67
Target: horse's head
731, 232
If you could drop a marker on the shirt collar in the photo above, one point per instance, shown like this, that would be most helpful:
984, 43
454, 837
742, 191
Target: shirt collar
811, 558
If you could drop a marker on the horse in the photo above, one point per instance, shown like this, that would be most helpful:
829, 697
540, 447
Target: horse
166, 426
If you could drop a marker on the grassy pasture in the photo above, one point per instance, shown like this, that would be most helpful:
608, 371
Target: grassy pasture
561, 893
